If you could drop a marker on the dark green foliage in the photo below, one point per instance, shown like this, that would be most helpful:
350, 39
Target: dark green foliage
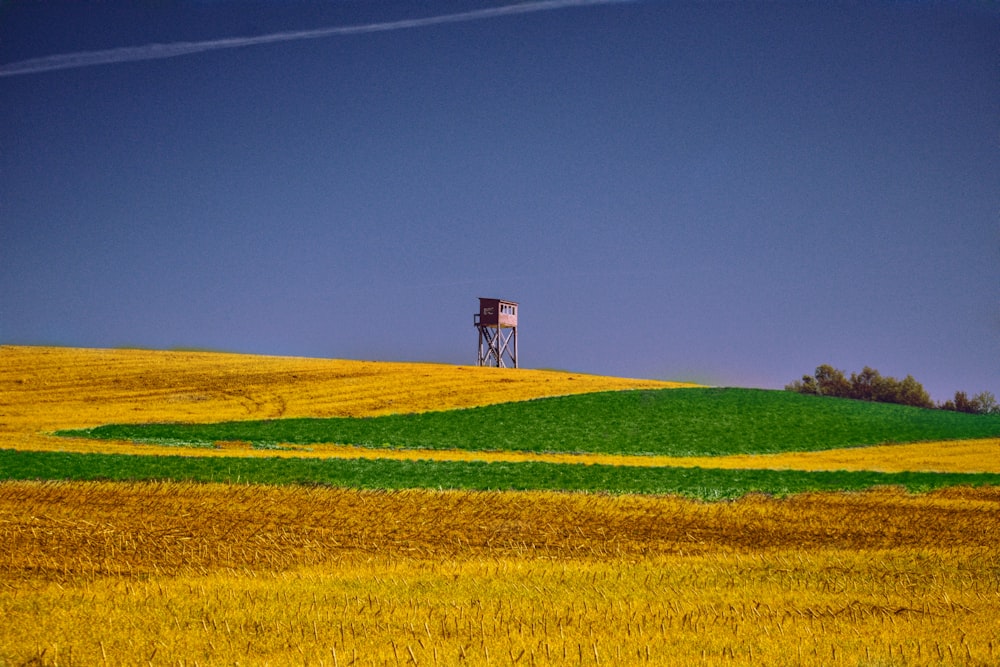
678, 422
707, 484
807, 385
911, 392
865, 386
984, 403
868, 385
831, 382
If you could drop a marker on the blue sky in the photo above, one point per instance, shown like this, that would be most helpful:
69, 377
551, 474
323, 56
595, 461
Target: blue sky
732, 193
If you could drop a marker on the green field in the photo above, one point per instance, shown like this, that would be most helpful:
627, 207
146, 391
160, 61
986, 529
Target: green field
679, 422
706, 484
674, 422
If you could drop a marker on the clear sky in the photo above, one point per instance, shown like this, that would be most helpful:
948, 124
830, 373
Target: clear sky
726, 192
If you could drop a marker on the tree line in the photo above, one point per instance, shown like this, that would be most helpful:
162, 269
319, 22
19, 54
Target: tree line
870, 385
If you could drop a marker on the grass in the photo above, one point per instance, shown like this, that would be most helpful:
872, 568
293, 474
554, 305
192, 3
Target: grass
702, 483
674, 422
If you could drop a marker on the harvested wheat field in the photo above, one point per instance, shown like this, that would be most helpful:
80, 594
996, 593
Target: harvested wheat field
167, 573
181, 573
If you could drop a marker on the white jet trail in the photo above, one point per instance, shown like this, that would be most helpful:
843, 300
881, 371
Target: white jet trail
174, 49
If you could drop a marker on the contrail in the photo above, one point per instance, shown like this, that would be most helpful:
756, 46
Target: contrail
174, 49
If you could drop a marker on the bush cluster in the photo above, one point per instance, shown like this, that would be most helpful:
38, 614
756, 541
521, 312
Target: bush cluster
982, 403
870, 385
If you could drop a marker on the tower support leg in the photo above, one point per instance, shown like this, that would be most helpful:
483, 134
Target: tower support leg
497, 347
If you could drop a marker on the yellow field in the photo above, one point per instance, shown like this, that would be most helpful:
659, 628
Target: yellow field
44, 388
182, 574
981, 455
213, 574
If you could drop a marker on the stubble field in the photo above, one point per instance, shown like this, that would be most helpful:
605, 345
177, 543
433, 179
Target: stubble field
165, 573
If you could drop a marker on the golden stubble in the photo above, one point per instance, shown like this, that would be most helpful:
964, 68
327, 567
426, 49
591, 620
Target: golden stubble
968, 456
171, 573
43, 389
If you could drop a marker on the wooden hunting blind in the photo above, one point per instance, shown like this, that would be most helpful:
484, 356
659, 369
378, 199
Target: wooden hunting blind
497, 325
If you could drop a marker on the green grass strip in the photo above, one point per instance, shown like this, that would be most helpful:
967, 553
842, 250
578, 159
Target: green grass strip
703, 483
677, 422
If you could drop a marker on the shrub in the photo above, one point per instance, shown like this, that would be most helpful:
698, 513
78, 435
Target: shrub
868, 385
832, 382
827, 381
807, 385
982, 403
987, 403
911, 392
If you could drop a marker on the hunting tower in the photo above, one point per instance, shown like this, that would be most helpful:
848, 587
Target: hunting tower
497, 325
